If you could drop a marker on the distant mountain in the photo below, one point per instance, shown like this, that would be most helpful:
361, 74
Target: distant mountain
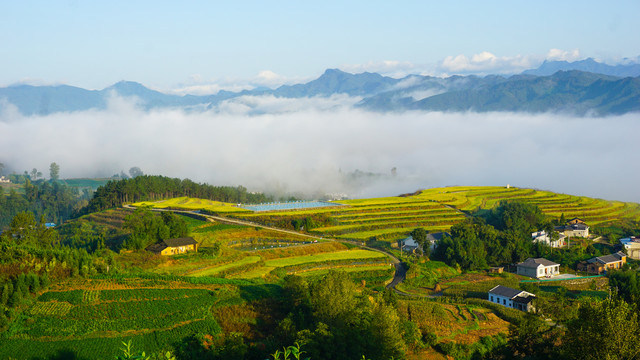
588, 65
335, 81
566, 91
573, 91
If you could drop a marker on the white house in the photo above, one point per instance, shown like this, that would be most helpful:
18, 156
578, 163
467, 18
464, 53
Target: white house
4, 180
410, 245
576, 229
541, 236
631, 247
538, 268
512, 298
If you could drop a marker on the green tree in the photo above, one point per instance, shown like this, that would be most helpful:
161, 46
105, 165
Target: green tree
54, 171
23, 228
606, 329
420, 236
135, 172
532, 339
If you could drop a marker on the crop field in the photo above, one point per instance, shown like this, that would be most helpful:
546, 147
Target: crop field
252, 252
451, 322
437, 209
187, 203
94, 321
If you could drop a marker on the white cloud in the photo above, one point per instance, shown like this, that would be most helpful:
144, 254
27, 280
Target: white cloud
301, 145
563, 55
197, 85
486, 62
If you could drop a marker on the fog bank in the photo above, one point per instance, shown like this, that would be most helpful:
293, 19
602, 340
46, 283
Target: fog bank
310, 146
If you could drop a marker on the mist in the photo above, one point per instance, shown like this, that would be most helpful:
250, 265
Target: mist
312, 146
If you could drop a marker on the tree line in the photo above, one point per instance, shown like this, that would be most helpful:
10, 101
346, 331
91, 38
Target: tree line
154, 187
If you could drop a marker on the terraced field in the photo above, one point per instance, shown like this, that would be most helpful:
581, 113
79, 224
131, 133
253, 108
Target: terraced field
437, 209
96, 318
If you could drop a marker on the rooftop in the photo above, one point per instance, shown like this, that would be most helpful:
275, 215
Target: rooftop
535, 262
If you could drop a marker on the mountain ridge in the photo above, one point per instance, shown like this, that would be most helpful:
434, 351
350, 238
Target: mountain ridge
576, 91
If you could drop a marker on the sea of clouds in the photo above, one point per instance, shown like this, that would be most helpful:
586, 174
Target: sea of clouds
310, 146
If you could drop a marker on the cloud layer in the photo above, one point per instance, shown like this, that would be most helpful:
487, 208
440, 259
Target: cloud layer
309, 145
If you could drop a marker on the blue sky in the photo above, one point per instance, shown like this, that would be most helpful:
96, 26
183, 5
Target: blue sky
202, 46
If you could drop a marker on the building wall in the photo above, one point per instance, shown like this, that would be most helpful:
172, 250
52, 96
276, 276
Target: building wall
530, 272
179, 250
502, 300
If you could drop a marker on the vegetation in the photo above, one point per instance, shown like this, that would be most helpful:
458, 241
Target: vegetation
87, 289
146, 187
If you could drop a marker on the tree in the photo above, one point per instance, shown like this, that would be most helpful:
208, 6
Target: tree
532, 339
135, 172
1, 168
34, 174
606, 329
420, 236
54, 171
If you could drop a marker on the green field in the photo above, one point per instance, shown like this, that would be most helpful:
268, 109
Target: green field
93, 321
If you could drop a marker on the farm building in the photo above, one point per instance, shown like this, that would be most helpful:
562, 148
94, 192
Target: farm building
537, 268
515, 299
174, 246
601, 264
632, 247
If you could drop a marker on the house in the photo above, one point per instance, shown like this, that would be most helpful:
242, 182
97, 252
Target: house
574, 227
174, 246
4, 180
601, 264
631, 246
541, 236
49, 225
512, 298
538, 268
410, 245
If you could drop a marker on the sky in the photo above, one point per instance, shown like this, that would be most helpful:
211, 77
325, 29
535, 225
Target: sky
205, 46
311, 146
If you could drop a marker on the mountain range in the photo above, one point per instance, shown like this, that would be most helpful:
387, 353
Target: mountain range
581, 87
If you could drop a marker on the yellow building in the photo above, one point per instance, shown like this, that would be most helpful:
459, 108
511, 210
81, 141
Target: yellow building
174, 246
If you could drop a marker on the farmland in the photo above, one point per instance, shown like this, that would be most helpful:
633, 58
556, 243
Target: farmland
235, 286
95, 318
437, 209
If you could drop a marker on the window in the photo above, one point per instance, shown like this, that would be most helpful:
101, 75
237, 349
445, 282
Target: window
491, 298
504, 301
